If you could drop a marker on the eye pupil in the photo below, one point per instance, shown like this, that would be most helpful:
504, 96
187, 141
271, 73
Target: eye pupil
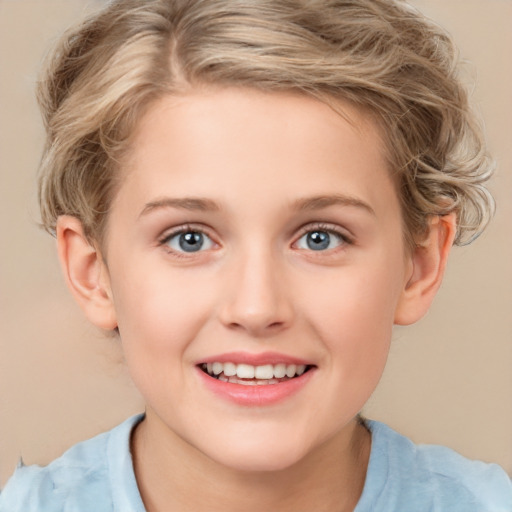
318, 240
191, 241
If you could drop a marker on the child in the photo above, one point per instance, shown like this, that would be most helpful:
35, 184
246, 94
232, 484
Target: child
250, 195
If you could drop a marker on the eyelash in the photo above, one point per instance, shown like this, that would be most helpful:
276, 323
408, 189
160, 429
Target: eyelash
327, 228
164, 241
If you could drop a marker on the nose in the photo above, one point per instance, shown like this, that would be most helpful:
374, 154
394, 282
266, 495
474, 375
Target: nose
257, 298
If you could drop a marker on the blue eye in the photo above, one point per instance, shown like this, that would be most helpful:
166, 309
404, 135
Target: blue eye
189, 241
320, 240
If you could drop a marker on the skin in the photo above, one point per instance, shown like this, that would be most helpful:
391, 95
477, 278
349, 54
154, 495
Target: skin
259, 162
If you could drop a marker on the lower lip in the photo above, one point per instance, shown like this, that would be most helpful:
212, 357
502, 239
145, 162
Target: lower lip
258, 395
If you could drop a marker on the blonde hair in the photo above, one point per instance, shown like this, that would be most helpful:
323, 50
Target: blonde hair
380, 55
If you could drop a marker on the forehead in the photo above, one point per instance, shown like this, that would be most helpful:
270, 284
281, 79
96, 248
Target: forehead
234, 144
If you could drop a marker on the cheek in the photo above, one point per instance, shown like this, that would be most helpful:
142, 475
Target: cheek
147, 310
156, 325
160, 313
354, 317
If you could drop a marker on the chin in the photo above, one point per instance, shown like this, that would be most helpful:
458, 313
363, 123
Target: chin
258, 463
261, 455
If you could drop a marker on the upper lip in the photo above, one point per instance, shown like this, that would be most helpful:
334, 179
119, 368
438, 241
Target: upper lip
255, 359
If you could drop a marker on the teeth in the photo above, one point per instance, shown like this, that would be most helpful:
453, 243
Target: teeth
245, 371
264, 374
229, 369
217, 368
279, 371
253, 382
290, 370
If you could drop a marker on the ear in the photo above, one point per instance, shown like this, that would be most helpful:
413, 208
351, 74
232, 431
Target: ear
428, 262
85, 272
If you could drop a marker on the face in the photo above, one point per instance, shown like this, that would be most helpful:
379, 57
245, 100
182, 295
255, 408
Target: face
256, 261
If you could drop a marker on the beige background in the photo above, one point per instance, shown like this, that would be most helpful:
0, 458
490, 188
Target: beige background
449, 378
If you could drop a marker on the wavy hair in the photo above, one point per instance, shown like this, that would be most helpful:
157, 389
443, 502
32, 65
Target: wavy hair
380, 55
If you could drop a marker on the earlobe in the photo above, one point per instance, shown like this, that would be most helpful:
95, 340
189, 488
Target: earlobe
428, 262
85, 273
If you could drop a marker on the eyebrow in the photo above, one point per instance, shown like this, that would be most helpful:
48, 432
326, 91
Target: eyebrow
320, 202
207, 205
184, 203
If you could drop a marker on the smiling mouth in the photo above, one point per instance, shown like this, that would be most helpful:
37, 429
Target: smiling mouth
250, 375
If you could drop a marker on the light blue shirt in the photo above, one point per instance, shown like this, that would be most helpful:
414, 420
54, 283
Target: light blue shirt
97, 476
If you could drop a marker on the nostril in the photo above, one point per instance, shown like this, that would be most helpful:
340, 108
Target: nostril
256, 325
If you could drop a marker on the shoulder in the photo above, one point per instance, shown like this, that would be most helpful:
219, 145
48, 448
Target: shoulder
79, 475
484, 487
432, 478
79, 480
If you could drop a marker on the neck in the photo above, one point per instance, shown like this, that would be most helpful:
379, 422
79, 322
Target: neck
171, 476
